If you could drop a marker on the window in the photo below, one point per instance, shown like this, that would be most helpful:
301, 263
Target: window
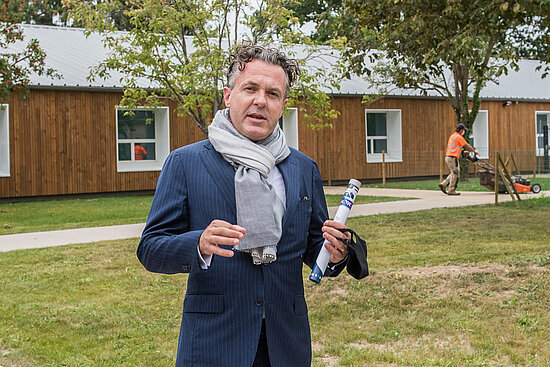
479, 138
383, 135
143, 139
4, 141
289, 124
542, 120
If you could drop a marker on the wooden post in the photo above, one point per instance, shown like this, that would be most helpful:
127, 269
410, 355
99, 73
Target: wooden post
507, 163
330, 155
516, 168
508, 183
330, 169
441, 159
535, 165
383, 169
495, 179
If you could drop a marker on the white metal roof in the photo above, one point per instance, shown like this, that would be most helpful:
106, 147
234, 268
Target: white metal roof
72, 54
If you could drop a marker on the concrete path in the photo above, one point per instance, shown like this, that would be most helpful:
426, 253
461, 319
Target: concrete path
425, 199
23, 241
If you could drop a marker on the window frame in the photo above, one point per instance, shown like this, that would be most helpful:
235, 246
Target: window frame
289, 125
5, 170
540, 150
480, 130
161, 141
393, 136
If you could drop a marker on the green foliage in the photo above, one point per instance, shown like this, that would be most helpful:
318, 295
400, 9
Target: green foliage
320, 12
182, 47
39, 11
17, 66
450, 48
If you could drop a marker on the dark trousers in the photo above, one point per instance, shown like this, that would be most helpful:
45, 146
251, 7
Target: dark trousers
262, 356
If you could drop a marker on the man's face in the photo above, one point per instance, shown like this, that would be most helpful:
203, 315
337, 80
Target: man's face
257, 100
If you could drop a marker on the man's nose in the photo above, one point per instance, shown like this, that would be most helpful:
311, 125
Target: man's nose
259, 99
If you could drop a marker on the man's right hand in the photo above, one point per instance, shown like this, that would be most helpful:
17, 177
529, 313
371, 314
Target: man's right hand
217, 233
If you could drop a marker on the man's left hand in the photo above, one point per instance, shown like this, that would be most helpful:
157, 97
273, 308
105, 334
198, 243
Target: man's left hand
337, 249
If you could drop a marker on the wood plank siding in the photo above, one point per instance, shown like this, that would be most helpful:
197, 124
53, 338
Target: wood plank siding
426, 125
64, 142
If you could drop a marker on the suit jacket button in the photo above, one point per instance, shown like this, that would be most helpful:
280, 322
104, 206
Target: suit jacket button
259, 302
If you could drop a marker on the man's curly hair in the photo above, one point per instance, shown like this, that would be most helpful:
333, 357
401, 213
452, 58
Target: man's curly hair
247, 52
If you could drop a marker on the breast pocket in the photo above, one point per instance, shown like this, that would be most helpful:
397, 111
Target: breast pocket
304, 204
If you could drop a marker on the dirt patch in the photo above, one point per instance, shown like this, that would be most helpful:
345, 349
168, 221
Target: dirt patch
497, 281
466, 269
402, 345
329, 361
455, 270
316, 346
338, 292
6, 360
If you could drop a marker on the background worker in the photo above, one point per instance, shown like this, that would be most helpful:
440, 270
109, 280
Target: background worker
454, 149
139, 152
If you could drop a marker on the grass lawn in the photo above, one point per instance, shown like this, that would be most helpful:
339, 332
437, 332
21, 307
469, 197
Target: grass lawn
471, 185
449, 287
80, 213
334, 200
74, 213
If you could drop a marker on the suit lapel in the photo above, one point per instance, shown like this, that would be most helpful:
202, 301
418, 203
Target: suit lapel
291, 176
222, 173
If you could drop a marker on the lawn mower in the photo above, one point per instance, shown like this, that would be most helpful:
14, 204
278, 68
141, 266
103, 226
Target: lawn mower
487, 177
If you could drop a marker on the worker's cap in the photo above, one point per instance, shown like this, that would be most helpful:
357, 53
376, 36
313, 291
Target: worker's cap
460, 127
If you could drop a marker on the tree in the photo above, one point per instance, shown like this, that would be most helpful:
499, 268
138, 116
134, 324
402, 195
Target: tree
39, 11
450, 47
182, 48
322, 13
17, 66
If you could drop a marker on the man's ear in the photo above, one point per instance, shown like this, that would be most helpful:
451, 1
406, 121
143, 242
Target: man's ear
226, 94
284, 104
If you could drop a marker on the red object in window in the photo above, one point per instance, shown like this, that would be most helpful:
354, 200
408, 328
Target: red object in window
139, 152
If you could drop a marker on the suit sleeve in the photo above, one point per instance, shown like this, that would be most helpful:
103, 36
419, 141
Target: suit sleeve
166, 245
319, 214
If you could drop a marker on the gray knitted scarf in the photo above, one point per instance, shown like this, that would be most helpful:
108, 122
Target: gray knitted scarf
259, 209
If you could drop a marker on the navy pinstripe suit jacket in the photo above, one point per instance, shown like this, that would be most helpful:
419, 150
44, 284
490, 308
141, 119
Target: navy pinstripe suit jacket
224, 305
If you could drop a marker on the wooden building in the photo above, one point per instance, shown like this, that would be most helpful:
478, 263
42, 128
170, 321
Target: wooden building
69, 137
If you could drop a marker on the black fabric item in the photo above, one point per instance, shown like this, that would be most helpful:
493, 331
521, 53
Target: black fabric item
357, 266
262, 356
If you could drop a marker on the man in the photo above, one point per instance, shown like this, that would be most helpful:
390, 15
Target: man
454, 149
240, 212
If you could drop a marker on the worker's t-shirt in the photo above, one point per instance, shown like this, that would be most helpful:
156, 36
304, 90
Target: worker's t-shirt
455, 144
139, 152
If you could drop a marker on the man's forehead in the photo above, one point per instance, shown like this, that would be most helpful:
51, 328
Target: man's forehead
263, 68
258, 73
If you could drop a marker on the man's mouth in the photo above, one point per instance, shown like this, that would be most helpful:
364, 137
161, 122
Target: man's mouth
256, 116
